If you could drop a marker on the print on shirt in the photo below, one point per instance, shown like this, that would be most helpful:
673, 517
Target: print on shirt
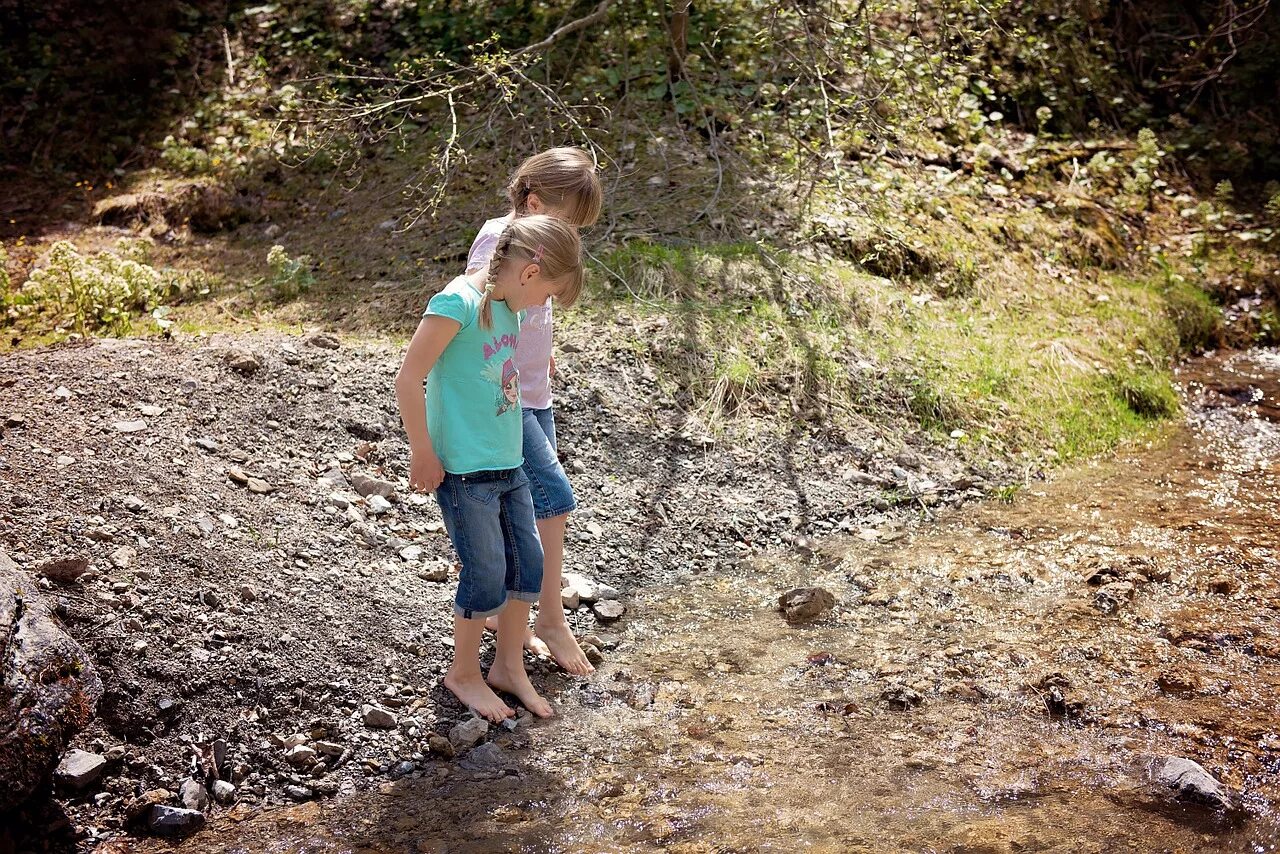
506, 380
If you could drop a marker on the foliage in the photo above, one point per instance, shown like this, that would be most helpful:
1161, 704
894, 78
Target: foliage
99, 292
288, 276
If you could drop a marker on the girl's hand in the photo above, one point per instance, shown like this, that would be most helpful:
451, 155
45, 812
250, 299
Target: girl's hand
425, 471
552, 372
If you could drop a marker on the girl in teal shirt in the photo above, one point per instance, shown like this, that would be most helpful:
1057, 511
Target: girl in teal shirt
465, 440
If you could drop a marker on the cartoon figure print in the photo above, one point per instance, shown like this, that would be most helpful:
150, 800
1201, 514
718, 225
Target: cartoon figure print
510, 397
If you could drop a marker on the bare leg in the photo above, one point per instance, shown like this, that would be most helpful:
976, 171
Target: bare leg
464, 678
507, 673
551, 626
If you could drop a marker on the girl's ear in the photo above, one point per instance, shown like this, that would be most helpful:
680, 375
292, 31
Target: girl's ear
533, 204
529, 273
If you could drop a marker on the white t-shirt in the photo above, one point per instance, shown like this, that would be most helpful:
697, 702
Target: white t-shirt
533, 353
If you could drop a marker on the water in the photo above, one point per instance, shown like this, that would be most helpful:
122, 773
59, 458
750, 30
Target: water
987, 683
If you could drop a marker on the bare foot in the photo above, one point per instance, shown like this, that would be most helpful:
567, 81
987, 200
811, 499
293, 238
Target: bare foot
517, 682
472, 691
531, 641
559, 640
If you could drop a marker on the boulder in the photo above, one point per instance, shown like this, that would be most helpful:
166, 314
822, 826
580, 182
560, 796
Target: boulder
49, 689
1188, 781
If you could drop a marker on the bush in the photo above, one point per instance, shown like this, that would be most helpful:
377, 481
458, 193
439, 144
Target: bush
99, 292
289, 276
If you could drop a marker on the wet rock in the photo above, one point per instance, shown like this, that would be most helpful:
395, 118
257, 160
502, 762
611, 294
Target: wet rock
1055, 692
1188, 781
242, 360
1110, 598
299, 793
193, 795
489, 758
1222, 585
441, 746
174, 821
805, 603
1178, 680
79, 769
376, 716
468, 733
608, 610
368, 485
901, 697
593, 654
223, 792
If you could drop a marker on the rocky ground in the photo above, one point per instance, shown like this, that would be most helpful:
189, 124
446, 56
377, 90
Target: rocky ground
223, 523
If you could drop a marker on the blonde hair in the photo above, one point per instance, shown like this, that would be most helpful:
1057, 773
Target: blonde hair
543, 240
564, 177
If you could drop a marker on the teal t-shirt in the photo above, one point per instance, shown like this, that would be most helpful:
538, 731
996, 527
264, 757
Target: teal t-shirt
473, 391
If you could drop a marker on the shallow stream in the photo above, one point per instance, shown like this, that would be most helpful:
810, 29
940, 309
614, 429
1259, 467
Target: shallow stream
995, 680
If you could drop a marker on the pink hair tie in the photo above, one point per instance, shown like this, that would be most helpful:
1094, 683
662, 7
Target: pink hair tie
537, 254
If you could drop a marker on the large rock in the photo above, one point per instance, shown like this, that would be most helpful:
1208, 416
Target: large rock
48, 687
1189, 781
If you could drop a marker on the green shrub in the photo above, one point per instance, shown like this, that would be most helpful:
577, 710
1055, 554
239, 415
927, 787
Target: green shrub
91, 293
289, 276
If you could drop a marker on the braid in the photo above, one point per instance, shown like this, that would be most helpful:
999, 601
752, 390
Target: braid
500, 253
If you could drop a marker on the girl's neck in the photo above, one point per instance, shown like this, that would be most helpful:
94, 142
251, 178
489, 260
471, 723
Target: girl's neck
480, 278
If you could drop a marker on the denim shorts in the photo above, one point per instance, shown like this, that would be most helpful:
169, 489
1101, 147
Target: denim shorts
552, 494
489, 517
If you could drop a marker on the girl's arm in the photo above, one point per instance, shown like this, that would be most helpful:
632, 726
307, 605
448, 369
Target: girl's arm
433, 335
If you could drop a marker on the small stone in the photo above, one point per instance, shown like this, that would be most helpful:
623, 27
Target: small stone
569, 599
124, 557
62, 393
604, 591
593, 654
378, 505
247, 594
588, 590
206, 444
259, 486
368, 485
411, 554
1221, 585
237, 475
299, 793
334, 479
133, 504
193, 795
1110, 598
608, 610
805, 603
79, 769
138, 808
242, 360
376, 716
300, 756
468, 733
437, 572
129, 426
323, 340
174, 821
223, 792
329, 748
441, 746
63, 570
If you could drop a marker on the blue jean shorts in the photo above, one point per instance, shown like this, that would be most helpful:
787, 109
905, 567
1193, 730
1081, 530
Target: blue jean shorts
489, 517
552, 494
